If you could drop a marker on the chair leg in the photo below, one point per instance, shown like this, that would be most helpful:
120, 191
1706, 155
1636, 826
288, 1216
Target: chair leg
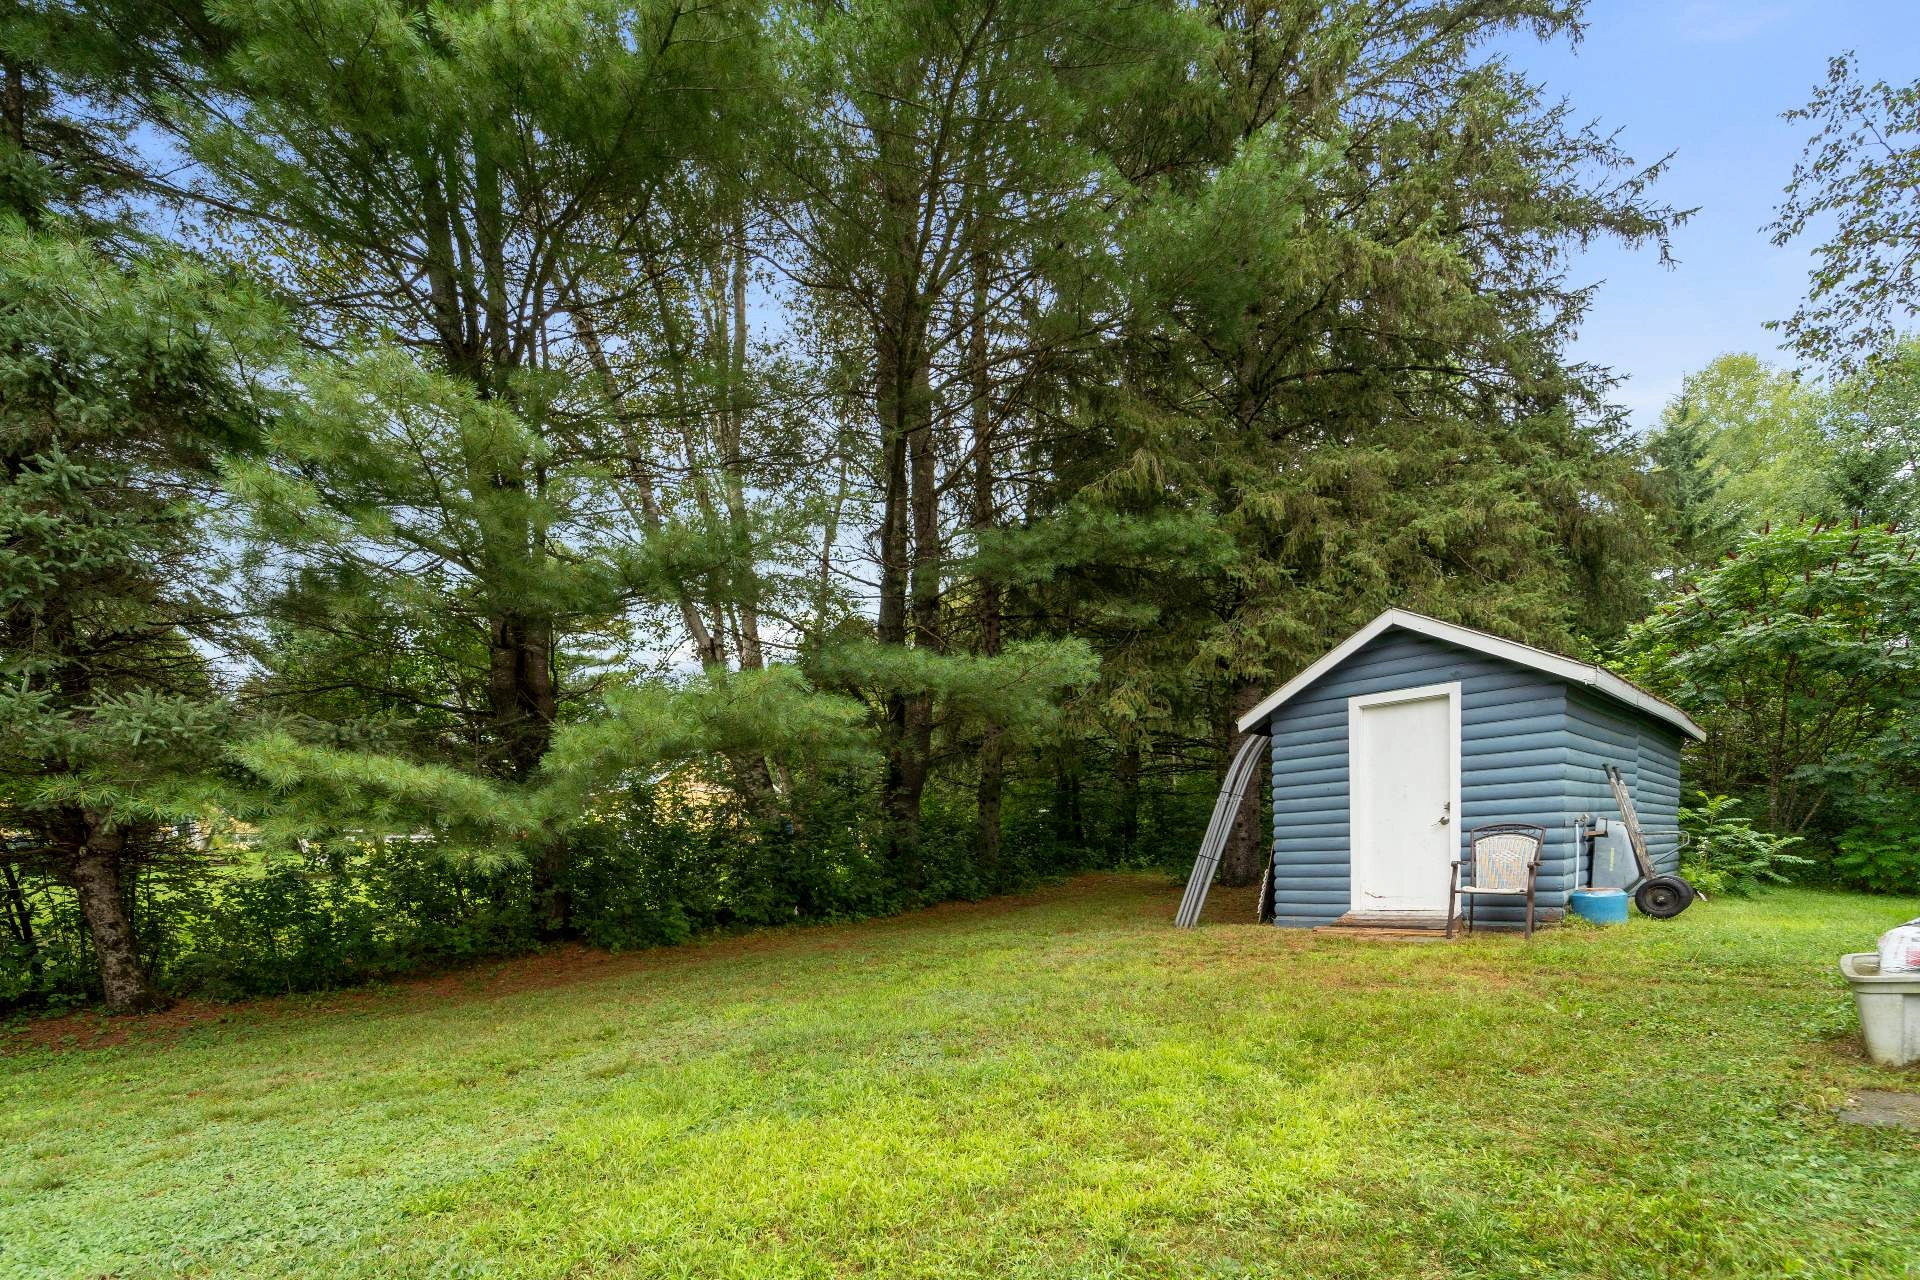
1470, 898
1529, 932
1453, 896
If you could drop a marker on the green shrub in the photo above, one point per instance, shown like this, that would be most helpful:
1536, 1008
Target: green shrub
652, 865
1725, 854
1881, 859
334, 916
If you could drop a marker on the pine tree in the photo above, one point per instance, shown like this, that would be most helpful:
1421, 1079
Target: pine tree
120, 394
466, 201
942, 195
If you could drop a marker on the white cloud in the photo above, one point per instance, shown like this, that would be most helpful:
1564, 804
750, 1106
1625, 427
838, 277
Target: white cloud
1726, 21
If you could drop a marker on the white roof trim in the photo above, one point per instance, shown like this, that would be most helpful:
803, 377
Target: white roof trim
1598, 679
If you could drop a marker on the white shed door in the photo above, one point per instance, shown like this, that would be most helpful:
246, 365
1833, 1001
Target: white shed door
1403, 769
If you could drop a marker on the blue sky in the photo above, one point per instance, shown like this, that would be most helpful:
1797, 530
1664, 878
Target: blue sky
1707, 79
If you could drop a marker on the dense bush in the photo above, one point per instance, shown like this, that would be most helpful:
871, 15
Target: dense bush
1725, 854
1795, 653
653, 866
251, 922
1885, 861
1873, 830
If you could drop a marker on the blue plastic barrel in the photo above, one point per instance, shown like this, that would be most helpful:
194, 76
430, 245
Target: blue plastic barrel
1602, 906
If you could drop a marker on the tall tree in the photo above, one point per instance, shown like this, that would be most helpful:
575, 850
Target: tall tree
1700, 526
1797, 650
1745, 445
1763, 435
937, 183
1359, 299
716, 445
1858, 183
1871, 421
477, 186
118, 400
122, 387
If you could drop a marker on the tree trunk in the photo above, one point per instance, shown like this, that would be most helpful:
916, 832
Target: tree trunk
93, 867
902, 799
1245, 856
23, 197
992, 756
552, 899
732, 426
1129, 777
986, 800
901, 350
19, 913
1069, 825
754, 775
924, 589
525, 703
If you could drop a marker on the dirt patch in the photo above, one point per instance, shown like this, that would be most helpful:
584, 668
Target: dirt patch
1232, 906
565, 965
93, 1030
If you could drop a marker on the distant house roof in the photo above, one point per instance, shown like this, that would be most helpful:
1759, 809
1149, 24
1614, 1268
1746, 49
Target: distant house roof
1599, 679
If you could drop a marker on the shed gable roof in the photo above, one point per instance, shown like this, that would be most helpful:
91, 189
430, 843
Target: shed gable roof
1599, 679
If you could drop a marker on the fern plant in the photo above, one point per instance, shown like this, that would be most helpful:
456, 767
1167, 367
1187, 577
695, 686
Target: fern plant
1726, 854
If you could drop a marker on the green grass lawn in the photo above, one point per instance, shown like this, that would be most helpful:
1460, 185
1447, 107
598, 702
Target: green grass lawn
1059, 1086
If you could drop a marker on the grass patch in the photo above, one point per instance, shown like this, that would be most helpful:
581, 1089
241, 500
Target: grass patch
1057, 1086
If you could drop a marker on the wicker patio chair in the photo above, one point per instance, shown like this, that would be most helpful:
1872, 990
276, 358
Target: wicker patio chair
1504, 861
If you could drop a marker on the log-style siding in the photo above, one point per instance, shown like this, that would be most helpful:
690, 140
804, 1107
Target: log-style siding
1647, 752
1531, 750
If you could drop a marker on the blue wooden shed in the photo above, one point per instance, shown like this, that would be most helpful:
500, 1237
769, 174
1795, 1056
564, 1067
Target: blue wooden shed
1389, 749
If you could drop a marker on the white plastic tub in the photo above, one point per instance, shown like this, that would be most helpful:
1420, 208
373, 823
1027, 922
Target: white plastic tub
1889, 1007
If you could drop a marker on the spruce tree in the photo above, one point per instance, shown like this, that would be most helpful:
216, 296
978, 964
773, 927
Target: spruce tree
121, 391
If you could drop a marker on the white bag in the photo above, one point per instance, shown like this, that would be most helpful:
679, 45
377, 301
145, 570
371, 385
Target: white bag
1900, 948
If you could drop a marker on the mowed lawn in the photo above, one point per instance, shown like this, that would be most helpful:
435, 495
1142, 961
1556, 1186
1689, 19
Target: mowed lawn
1058, 1085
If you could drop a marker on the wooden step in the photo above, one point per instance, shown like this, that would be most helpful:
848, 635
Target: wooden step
1390, 920
1422, 927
